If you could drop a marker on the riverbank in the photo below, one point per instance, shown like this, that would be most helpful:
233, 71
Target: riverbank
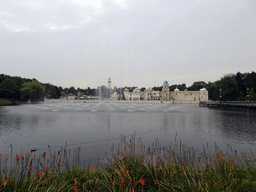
131, 168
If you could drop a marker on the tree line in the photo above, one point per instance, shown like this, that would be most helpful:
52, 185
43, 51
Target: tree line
232, 87
23, 89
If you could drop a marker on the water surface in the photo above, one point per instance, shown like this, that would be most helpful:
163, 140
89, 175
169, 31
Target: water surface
96, 126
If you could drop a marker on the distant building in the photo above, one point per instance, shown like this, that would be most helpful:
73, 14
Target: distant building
70, 97
167, 95
114, 96
109, 83
132, 96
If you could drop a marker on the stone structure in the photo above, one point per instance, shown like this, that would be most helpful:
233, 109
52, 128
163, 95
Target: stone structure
167, 95
132, 96
165, 92
109, 83
70, 97
114, 96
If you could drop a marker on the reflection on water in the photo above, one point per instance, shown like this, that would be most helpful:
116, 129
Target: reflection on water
95, 126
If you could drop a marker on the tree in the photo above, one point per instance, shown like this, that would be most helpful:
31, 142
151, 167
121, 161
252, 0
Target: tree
196, 86
32, 90
241, 97
240, 82
229, 87
80, 94
252, 95
72, 90
9, 89
250, 80
182, 87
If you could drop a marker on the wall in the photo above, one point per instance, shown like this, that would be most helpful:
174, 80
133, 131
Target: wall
185, 95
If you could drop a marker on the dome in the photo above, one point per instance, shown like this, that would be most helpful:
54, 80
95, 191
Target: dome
166, 82
176, 89
203, 89
149, 88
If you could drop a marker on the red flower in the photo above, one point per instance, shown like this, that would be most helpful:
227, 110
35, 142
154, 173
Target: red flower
229, 160
6, 155
122, 168
47, 168
142, 181
18, 157
131, 145
124, 173
75, 188
53, 158
37, 173
219, 159
155, 183
122, 180
75, 179
125, 149
5, 181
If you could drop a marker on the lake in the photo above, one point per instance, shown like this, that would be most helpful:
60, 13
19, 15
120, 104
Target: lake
96, 126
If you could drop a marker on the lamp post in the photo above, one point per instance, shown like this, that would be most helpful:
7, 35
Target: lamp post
247, 93
220, 93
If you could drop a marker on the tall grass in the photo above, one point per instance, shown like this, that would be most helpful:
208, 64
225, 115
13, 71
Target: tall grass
4, 102
131, 167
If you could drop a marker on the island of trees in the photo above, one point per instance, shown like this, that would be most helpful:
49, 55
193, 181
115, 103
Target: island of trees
232, 87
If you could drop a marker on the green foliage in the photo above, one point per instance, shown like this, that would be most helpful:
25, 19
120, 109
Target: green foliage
241, 97
9, 89
229, 87
170, 168
252, 95
4, 102
80, 94
197, 86
32, 90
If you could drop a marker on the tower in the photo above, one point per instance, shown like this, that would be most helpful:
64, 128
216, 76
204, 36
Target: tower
109, 83
165, 91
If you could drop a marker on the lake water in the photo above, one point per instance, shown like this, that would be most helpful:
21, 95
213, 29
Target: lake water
96, 126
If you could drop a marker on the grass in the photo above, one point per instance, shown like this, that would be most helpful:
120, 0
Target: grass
4, 102
131, 168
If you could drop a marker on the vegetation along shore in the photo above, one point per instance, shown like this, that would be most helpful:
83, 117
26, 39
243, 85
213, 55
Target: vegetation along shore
130, 168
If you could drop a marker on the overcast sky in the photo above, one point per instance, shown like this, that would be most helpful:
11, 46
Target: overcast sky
140, 43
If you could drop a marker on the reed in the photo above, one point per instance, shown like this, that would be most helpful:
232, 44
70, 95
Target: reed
131, 167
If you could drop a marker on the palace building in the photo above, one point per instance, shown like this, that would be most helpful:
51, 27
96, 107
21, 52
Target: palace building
167, 95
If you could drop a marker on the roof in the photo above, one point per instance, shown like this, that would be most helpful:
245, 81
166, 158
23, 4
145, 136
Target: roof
166, 82
92, 97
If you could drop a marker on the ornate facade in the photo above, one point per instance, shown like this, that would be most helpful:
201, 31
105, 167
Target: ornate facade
166, 95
